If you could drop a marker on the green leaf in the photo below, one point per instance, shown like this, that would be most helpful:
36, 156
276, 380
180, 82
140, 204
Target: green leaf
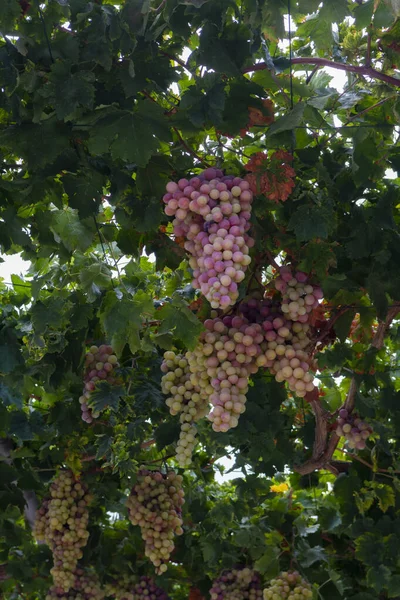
378, 577
9, 397
10, 10
94, 278
308, 555
10, 354
19, 426
289, 121
71, 90
176, 317
84, 191
70, 230
105, 395
343, 324
167, 433
393, 586
130, 136
312, 221
334, 12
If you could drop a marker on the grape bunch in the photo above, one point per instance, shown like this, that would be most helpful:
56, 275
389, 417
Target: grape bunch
354, 429
144, 589
61, 522
299, 298
221, 365
100, 365
288, 586
86, 586
185, 399
212, 212
155, 504
238, 584
285, 343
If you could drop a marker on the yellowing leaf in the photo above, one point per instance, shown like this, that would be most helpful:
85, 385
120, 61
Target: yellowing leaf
281, 488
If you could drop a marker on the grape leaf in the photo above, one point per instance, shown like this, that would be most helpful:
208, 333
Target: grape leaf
177, 317
289, 121
105, 395
312, 221
70, 230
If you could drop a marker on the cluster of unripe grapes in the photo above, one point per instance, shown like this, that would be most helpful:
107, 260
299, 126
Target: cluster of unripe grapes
61, 522
288, 586
86, 587
142, 589
100, 365
212, 212
354, 429
155, 504
238, 584
185, 399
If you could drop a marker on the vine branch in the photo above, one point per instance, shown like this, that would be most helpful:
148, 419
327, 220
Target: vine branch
324, 62
325, 443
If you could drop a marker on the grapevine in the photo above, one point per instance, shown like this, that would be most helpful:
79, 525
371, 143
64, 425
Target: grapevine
86, 586
100, 365
288, 586
213, 212
61, 522
354, 429
238, 584
155, 504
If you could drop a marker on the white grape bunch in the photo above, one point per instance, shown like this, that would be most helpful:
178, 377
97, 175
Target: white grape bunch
86, 586
134, 589
100, 365
184, 399
353, 429
155, 504
237, 584
288, 586
212, 212
61, 522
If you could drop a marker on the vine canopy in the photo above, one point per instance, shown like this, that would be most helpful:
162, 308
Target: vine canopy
250, 147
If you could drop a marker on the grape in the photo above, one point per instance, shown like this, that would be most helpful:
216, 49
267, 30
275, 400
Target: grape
155, 504
353, 429
61, 522
100, 365
133, 589
212, 212
184, 398
238, 584
288, 586
86, 586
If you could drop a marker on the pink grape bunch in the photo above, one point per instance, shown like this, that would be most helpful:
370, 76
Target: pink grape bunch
61, 522
212, 212
86, 586
155, 504
100, 365
142, 589
285, 344
184, 399
238, 584
355, 430
288, 586
299, 297
221, 365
